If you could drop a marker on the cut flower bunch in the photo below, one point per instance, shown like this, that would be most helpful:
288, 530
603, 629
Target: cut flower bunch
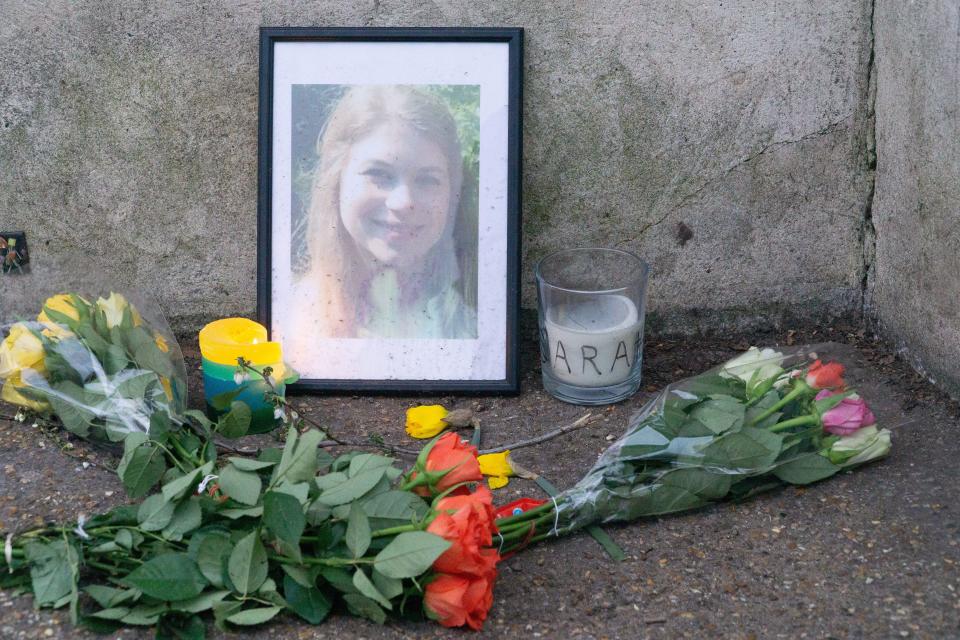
298, 530
759, 421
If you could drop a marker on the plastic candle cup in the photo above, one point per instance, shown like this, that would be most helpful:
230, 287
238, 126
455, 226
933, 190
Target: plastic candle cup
591, 311
221, 343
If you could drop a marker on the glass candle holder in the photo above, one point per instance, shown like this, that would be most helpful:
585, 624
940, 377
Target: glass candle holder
221, 343
591, 305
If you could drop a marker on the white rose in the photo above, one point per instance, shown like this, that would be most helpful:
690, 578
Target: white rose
864, 445
762, 363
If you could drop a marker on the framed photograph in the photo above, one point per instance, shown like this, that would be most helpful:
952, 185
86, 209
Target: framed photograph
389, 206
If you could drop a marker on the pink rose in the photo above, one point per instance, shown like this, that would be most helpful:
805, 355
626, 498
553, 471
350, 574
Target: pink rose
848, 416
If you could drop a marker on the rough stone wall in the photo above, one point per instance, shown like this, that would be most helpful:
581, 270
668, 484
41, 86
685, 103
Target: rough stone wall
915, 276
726, 142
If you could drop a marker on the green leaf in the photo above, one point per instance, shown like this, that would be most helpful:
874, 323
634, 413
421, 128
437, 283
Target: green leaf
805, 469
147, 354
51, 572
168, 577
112, 613
410, 554
367, 588
108, 597
143, 470
236, 422
394, 508
699, 482
353, 487
249, 617
160, 426
330, 480
145, 615
300, 574
283, 516
186, 517
720, 413
133, 383
155, 512
242, 486
364, 607
200, 418
236, 514
339, 579
246, 464
221, 401
200, 603
212, 555
389, 587
128, 539
187, 483
307, 602
366, 462
247, 566
358, 531
299, 460
746, 450
175, 627
70, 401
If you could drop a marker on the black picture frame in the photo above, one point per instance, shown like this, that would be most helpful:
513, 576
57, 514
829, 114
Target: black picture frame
505, 381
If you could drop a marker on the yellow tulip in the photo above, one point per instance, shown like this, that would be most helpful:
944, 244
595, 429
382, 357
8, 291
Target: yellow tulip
113, 308
426, 421
497, 467
20, 350
11, 393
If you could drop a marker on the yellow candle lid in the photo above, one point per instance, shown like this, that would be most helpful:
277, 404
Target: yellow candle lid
223, 341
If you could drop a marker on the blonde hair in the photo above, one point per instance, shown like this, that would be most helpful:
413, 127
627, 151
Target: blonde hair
335, 261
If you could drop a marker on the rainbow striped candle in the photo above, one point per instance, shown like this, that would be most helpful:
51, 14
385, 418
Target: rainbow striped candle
221, 343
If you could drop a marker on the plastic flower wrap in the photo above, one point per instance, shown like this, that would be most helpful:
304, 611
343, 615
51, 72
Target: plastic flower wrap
758, 421
103, 365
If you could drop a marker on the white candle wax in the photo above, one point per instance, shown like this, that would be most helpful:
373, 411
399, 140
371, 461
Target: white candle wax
593, 342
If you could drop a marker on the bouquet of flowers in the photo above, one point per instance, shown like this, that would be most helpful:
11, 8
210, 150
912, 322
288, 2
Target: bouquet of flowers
269, 534
296, 529
759, 421
109, 373
97, 365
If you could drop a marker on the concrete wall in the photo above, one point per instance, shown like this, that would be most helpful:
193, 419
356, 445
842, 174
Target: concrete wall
128, 138
914, 291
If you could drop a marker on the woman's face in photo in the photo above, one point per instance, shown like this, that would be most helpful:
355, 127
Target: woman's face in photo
395, 194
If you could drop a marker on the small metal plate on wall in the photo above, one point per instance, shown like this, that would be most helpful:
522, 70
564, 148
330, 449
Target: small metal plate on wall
14, 255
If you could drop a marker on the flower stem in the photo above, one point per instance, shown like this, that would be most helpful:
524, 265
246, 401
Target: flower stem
526, 515
801, 388
794, 422
524, 529
380, 533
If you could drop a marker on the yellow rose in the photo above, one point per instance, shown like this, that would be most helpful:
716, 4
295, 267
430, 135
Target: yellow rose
497, 467
113, 308
11, 393
20, 350
61, 303
167, 389
427, 421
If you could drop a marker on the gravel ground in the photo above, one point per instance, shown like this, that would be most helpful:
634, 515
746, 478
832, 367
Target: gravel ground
869, 554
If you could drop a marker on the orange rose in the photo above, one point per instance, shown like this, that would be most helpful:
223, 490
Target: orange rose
452, 462
469, 528
825, 376
457, 600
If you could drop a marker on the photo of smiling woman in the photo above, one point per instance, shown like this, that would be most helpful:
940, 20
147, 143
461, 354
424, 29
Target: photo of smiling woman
386, 242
